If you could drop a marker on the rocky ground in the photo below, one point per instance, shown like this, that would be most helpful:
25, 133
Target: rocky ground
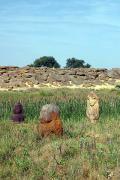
14, 78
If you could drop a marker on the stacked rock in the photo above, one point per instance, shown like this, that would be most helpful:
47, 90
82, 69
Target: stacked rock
50, 122
18, 113
92, 110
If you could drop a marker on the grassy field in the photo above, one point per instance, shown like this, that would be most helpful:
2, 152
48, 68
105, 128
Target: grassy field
86, 151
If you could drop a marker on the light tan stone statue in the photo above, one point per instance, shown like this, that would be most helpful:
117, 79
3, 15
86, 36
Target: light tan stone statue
50, 122
92, 110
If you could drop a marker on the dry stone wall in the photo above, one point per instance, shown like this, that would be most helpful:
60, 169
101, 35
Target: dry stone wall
29, 77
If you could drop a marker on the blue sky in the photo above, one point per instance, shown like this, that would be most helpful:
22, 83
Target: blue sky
85, 29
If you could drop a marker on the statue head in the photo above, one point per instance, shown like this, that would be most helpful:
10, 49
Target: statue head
18, 108
49, 112
92, 98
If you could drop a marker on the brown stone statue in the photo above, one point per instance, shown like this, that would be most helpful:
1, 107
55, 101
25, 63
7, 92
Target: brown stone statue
50, 122
92, 111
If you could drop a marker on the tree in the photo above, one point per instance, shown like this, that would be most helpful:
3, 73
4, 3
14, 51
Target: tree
46, 61
76, 63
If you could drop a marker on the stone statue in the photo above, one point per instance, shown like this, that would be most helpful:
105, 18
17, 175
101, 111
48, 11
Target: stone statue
18, 113
92, 111
50, 122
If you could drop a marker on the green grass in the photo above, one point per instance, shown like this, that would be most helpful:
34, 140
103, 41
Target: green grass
86, 151
72, 103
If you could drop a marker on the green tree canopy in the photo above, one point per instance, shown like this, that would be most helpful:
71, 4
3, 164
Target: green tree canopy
47, 61
76, 63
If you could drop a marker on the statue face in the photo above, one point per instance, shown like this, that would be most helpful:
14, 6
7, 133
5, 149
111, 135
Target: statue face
92, 99
49, 112
18, 108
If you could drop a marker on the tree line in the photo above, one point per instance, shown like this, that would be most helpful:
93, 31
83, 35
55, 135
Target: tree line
51, 62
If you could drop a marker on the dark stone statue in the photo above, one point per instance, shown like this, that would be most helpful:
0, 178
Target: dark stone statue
18, 113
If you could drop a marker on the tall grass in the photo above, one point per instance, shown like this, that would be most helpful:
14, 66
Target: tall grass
72, 103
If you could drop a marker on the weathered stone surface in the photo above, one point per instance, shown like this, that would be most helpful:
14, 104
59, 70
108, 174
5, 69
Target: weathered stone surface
18, 114
6, 68
50, 122
17, 82
92, 110
30, 76
114, 73
41, 77
72, 72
